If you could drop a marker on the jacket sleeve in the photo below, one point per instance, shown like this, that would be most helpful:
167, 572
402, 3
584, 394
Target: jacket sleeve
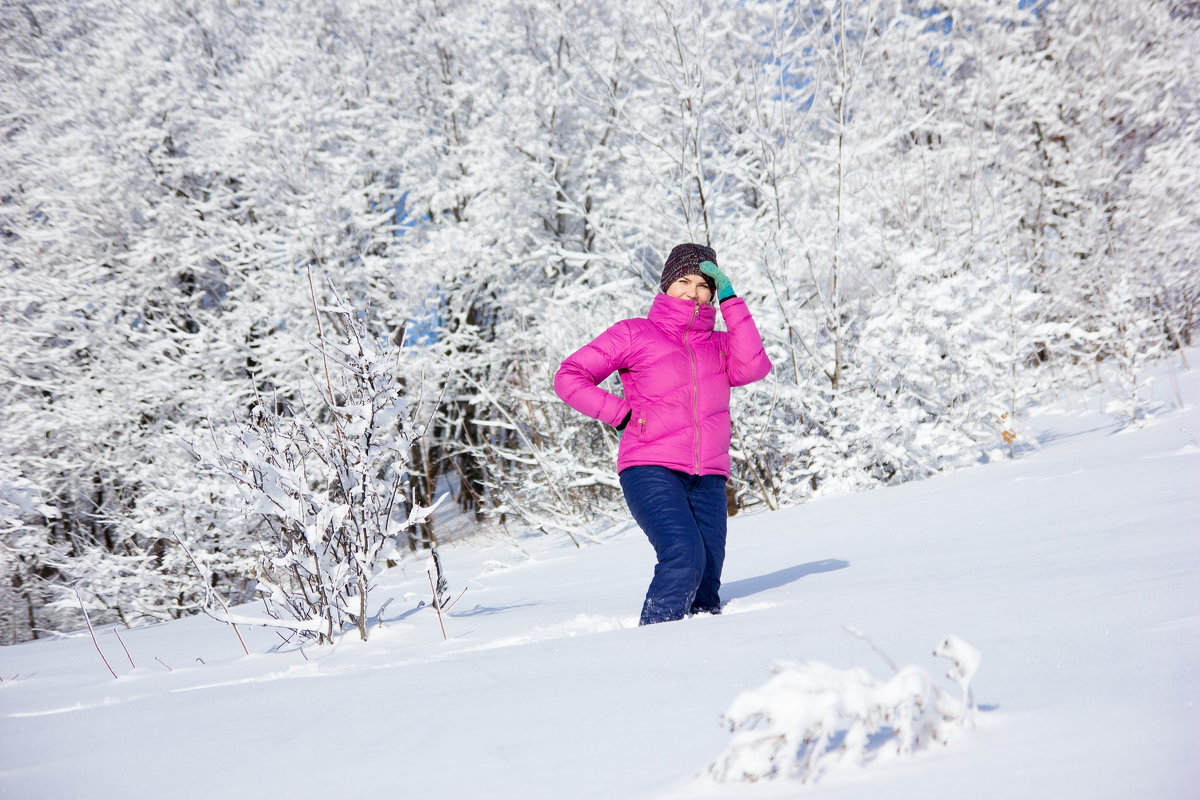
747, 359
576, 381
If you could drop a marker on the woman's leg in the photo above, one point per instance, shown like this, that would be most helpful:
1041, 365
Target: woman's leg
658, 499
709, 511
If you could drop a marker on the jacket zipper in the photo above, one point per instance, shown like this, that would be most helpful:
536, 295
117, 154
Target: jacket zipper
695, 383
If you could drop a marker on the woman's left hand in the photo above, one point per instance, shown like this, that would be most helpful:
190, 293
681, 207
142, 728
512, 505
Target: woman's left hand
724, 287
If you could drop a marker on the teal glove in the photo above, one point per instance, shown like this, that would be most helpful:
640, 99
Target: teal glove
724, 287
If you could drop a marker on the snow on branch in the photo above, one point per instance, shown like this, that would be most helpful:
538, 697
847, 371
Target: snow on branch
809, 717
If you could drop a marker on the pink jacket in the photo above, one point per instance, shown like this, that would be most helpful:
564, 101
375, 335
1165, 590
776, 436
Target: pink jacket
676, 372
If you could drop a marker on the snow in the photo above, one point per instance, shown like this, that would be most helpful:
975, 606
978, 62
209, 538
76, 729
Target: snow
1071, 570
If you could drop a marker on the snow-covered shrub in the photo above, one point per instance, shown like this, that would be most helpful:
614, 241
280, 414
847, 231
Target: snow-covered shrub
810, 717
327, 481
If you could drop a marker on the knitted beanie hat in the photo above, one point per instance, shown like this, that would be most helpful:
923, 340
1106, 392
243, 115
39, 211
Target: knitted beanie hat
685, 259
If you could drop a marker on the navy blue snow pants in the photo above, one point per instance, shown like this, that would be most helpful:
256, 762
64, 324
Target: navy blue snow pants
684, 518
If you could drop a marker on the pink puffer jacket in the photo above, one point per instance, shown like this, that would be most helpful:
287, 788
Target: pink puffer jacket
676, 372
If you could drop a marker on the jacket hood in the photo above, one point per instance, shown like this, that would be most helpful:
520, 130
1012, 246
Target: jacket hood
675, 316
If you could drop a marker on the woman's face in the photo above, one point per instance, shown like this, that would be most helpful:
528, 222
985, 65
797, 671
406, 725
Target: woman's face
691, 287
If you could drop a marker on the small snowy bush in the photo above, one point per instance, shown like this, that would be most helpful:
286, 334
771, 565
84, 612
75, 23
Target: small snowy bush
327, 483
810, 717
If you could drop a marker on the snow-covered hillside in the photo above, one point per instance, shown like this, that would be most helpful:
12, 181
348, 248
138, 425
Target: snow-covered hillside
1075, 570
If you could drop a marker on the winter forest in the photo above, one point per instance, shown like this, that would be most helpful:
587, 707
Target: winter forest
277, 277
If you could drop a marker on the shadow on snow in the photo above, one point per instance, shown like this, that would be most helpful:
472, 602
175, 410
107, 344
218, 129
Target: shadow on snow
780, 577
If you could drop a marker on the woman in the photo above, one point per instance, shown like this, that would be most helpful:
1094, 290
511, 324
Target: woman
673, 461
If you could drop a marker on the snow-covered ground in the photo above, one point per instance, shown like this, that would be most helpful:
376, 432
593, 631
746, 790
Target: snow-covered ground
1075, 570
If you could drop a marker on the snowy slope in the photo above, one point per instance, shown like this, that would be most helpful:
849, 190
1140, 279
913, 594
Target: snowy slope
1075, 570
